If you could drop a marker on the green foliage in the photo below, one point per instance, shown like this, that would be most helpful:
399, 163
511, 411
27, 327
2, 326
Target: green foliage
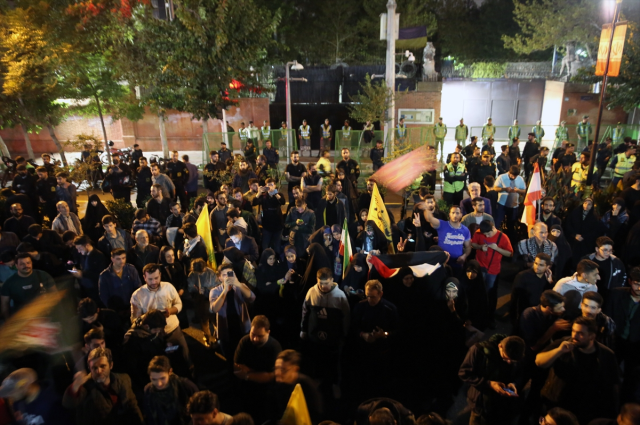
372, 102
488, 70
548, 23
79, 170
443, 206
123, 211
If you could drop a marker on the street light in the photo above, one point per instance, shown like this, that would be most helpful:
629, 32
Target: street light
296, 67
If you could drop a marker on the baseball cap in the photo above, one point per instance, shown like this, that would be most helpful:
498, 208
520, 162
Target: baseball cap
17, 381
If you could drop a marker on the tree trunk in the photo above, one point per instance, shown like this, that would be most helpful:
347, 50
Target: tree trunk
52, 133
3, 148
104, 130
163, 136
27, 141
205, 130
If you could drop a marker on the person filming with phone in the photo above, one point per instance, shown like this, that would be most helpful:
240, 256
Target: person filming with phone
229, 301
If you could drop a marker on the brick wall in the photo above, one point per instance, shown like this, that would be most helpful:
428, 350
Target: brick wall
587, 104
183, 132
421, 100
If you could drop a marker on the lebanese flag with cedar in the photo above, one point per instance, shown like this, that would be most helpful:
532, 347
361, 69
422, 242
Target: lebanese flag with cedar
534, 195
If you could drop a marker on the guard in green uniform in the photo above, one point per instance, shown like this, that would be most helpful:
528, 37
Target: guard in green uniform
455, 179
514, 131
584, 131
401, 130
282, 141
243, 133
367, 132
440, 132
305, 138
346, 134
265, 131
622, 163
618, 135
488, 130
538, 132
462, 133
562, 134
325, 140
253, 133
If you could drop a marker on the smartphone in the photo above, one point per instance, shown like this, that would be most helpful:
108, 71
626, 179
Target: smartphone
510, 391
73, 271
230, 274
171, 348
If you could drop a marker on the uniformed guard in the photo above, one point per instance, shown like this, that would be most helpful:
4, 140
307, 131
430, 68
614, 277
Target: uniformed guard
252, 132
514, 131
401, 130
488, 130
367, 132
538, 131
243, 133
455, 178
562, 134
617, 135
305, 138
282, 140
325, 140
584, 131
462, 132
440, 132
178, 172
265, 131
623, 163
346, 134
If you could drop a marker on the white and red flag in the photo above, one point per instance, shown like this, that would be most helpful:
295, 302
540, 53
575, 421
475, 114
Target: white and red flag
534, 195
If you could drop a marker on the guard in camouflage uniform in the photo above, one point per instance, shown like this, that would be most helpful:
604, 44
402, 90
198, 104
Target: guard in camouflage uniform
462, 133
538, 132
584, 131
440, 132
514, 131
488, 130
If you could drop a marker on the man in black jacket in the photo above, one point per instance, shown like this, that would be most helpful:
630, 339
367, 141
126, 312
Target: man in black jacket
158, 206
179, 174
144, 182
621, 306
611, 268
271, 203
503, 161
531, 149
212, 171
330, 209
529, 285
495, 376
195, 248
376, 155
142, 253
46, 190
89, 263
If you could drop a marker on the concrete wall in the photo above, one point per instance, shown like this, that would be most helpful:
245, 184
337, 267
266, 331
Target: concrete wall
183, 132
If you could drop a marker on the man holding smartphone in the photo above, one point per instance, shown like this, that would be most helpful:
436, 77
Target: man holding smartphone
164, 297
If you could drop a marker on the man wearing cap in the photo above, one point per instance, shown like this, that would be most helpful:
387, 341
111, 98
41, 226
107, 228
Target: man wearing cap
488, 130
102, 397
584, 131
489, 149
440, 132
462, 132
305, 138
538, 131
32, 402
618, 134
562, 133
514, 131
622, 163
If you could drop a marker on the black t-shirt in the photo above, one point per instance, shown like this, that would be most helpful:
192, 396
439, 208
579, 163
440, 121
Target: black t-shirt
604, 269
24, 289
295, 171
260, 359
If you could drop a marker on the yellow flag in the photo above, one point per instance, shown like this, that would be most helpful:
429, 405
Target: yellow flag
296, 412
378, 214
204, 230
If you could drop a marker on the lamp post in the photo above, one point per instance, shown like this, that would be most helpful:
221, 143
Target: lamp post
594, 148
296, 67
391, 69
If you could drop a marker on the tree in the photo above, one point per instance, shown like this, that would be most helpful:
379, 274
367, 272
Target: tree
548, 23
29, 65
372, 103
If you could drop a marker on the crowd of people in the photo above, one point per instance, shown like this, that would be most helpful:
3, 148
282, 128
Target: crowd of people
388, 334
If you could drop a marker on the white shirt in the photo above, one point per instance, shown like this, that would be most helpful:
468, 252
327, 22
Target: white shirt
164, 298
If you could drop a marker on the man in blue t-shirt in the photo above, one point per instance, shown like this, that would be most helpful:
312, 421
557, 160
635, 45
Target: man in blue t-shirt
453, 236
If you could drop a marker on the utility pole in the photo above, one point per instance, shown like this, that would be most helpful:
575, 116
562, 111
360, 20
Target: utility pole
390, 77
605, 77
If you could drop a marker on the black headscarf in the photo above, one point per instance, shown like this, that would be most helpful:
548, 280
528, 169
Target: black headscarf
379, 239
353, 278
317, 260
236, 257
92, 217
267, 273
476, 294
564, 252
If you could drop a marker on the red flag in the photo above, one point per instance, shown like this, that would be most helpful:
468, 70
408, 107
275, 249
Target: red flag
534, 194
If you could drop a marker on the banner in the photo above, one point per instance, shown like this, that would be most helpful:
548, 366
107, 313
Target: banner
378, 214
617, 48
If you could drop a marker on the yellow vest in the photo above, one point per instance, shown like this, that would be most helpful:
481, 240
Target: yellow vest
456, 186
624, 164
